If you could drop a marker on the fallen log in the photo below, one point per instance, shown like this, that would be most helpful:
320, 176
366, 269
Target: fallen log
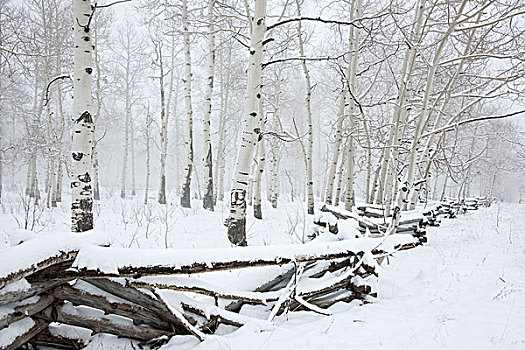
48, 340
124, 262
35, 288
25, 330
198, 287
60, 257
138, 314
71, 315
136, 296
24, 310
180, 317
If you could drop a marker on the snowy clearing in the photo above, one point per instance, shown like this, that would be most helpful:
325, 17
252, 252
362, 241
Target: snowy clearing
463, 289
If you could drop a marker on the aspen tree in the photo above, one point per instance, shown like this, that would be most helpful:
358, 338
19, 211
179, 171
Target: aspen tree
82, 144
207, 201
185, 200
402, 194
251, 130
163, 123
310, 142
221, 145
261, 161
337, 149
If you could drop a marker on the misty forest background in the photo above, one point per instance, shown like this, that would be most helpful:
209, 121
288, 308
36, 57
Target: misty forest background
333, 84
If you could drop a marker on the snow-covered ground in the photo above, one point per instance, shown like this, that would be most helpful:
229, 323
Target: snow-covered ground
464, 289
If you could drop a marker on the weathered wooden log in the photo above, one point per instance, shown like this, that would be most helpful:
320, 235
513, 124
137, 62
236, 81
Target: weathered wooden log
36, 288
210, 290
138, 314
136, 296
216, 315
247, 257
37, 327
22, 311
326, 302
67, 256
98, 324
282, 278
182, 320
48, 340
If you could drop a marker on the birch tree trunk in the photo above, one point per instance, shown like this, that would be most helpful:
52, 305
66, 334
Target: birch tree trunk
185, 200
251, 131
207, 201
82, 144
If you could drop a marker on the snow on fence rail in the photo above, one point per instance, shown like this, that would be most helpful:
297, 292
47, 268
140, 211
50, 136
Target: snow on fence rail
152, 295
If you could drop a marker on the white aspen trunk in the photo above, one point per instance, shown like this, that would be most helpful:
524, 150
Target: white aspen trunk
275, 145
57, 190
391, 181
176, 130
375, 182
51, 170
368, 163
275, 181
126, 132
82, 144
426, 156
261, 161
352, 104
340, 176
350, 169
337, 149
388, 167
185, 200
60, 175
163, 127
402, 194
32, 176
147, 135
59, 172
133, 187
50, 174
435, 187
309, 152
251, 131
225, 90
467, 180
207, 202
98, 99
